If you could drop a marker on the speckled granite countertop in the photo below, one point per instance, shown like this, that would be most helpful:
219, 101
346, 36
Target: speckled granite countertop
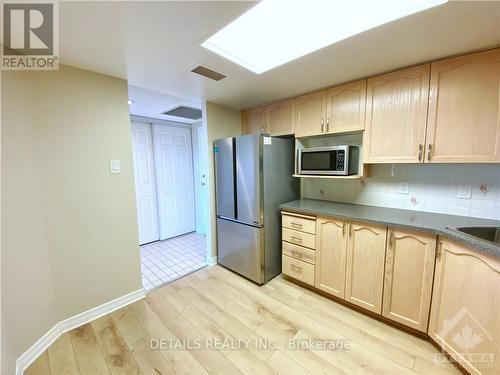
439, 224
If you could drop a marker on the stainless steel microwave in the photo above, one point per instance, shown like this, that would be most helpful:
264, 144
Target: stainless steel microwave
331, 160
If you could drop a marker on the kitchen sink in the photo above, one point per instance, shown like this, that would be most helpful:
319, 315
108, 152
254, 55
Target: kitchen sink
491, 234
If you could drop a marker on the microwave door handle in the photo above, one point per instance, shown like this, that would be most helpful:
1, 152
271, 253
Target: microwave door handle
346, 161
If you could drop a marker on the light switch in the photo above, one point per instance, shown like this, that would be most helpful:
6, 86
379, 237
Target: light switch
114, 166
403, 188
464, 191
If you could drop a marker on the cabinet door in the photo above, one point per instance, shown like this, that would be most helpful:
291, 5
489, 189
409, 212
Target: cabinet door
331, 241
365, 266
396, 116
465, 315
464, 109
409, 269
279, 118
345, 107
310, 113
254, 121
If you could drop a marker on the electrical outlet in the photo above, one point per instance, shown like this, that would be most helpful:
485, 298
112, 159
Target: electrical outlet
403, 188
464, 191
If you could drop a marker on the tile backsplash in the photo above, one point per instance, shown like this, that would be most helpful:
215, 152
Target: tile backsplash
458, 189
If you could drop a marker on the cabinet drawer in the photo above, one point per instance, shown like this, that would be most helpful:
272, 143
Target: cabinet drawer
299, 223
299, 238
297, 269
299, 252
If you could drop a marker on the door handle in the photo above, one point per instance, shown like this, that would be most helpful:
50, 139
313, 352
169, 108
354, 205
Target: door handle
429, 149
350, 230
327, 124
391, 238
295, 268
343, 229
420, 150
439, 249
322, 125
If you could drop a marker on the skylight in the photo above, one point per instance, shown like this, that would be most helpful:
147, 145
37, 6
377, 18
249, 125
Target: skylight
275, 32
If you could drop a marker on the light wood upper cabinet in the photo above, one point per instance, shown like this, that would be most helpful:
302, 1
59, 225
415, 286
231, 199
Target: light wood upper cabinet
345, 107
365, 266
310, 114
331, 247
279, 118
396, 116
409, 270
465, 314
464, 109
254, 121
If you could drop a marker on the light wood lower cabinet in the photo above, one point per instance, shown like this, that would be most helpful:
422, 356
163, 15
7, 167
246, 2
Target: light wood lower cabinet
465, 315
409, 270
365, 266
298, 269
331, 247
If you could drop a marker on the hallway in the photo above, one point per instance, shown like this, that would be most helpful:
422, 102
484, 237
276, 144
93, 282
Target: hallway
165, 261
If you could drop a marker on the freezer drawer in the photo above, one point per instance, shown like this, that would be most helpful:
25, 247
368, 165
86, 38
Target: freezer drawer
240, 248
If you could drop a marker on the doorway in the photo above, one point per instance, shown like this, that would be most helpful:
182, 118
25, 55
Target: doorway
167, 166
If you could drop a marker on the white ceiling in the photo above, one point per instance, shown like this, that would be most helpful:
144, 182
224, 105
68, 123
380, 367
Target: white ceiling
149, 103
154, 45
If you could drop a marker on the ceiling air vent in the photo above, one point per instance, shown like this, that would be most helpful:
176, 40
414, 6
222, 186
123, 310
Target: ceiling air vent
185, 112
209, 73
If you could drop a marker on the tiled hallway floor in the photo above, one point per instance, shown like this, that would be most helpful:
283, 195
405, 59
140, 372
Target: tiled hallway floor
165, 261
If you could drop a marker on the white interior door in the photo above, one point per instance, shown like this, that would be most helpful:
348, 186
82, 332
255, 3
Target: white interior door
145, 185
174, 180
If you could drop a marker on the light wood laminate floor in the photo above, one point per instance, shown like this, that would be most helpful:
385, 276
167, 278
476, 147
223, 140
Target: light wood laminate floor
214, 304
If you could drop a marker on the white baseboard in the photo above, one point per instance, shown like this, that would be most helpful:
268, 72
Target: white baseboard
66, 325
211, 261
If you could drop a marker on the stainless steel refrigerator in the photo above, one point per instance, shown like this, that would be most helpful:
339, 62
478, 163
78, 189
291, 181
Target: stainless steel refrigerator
253, 177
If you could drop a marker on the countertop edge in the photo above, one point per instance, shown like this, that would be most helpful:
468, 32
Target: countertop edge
482, 246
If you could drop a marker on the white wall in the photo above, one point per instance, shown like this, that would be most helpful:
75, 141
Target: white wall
432, 188
69, 227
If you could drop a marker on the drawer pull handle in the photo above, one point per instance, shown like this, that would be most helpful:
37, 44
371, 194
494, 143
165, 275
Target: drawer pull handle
296, 225
295, 268
296, 239
296, 254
